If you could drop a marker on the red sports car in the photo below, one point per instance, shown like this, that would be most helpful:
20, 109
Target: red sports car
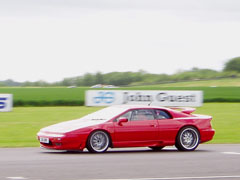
130, 126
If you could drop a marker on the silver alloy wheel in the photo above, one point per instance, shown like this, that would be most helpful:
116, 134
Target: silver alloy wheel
189, 138
99, 141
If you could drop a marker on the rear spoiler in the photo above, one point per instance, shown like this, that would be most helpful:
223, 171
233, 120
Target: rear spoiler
185, 110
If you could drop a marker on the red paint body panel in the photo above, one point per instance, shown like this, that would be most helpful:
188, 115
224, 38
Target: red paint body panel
156, 132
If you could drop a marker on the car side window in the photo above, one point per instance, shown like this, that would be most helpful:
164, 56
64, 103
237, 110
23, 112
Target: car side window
125, 115
160, 114
142, 114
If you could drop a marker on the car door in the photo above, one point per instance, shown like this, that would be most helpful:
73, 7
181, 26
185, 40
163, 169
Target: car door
168, 127
141, 128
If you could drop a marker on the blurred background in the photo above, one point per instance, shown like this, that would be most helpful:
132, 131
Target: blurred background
52, 51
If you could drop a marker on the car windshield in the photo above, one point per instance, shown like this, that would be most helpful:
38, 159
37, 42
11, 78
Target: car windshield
105, 114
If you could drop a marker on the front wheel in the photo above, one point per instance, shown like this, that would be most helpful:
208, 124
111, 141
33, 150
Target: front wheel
187, 139
98, 142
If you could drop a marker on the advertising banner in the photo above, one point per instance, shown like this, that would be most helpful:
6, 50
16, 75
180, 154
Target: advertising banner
157, 98
6, 102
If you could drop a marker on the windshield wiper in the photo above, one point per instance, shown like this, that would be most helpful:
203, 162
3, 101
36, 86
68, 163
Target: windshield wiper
98, 119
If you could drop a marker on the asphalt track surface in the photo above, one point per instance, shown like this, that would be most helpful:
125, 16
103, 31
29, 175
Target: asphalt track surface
207, 162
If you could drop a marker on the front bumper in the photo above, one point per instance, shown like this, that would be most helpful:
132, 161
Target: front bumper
65, 142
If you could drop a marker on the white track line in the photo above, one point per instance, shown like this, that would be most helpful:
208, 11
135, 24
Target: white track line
16, 178
179, 178
234, 153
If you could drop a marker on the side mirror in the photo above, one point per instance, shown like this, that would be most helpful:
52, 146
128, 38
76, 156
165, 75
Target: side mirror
122, 120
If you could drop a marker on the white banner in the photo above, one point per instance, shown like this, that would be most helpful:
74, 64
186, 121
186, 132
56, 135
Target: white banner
6, 102
157, 98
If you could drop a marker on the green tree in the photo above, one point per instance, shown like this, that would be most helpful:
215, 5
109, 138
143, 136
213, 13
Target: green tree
233, 65
68, 82
88, 79
2, 84
99, 78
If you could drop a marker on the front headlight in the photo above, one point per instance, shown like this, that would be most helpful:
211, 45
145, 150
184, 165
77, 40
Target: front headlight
50, 134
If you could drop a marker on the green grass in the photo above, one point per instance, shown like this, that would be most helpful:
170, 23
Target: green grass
226, 82
226, 121
19, 128
211, 94
75, 96
46, 96
36, 94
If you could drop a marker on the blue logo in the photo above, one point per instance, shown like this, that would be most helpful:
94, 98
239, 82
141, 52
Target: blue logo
2, 103
104, 97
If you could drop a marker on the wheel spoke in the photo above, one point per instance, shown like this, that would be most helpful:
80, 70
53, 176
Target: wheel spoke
99, 141
189, 138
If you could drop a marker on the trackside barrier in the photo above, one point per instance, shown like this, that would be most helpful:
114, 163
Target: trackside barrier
6, 102
157, 98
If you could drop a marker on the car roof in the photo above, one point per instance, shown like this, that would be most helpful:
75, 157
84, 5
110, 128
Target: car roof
139, 106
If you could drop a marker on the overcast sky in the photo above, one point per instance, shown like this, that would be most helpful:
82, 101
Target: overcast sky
52, 39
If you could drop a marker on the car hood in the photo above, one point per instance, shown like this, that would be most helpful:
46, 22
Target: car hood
72, 125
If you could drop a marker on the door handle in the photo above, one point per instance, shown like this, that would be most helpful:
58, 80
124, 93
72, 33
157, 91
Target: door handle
153, 125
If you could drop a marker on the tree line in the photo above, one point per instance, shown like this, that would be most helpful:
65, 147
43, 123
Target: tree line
231, 70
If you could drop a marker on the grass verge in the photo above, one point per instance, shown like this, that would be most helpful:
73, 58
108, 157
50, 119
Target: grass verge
75, 96
226, 121
19, 128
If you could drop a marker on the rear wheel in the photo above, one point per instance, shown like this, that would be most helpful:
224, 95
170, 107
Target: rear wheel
187, 139
156, 148
98, 142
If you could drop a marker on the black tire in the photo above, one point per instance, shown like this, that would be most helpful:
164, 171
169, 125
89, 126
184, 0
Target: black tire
98, 142
187, 139
156, 148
